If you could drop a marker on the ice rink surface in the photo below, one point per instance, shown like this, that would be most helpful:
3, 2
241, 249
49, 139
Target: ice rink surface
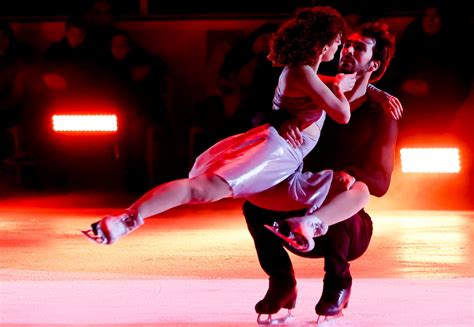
196, 266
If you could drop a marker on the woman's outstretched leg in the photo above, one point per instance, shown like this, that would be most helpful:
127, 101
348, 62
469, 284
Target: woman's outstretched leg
200, 189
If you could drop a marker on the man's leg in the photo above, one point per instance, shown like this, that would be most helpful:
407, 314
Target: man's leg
343, 242
272, 256
273, 259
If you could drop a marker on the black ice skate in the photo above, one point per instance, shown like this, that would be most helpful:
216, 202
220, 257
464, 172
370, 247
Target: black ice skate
279, 295
332, 302
110, 228
298, 232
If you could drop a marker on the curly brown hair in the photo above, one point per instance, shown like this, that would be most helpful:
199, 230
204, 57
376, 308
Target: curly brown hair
297, 39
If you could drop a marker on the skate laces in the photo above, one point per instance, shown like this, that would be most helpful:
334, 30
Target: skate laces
317, 226
129, 221
124, 223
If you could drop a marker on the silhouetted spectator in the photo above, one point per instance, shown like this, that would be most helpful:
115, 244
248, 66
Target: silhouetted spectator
145, 74
142, 78
100, 25
254, 77
430, 79
13, 87
70, 67
71, 48
209, 124
247, 77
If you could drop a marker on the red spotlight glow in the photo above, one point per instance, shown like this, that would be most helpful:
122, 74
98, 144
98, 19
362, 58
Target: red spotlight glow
430, 160
85, 123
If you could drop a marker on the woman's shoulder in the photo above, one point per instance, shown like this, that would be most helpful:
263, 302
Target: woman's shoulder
299, 70
300, 74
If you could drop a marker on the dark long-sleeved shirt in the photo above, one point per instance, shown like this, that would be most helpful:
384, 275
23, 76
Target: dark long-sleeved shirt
364, 148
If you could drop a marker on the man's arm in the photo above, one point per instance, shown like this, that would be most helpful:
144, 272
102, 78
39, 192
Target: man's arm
377, 169
389, 103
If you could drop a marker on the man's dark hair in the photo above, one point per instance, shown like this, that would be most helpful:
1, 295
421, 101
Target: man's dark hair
384, 47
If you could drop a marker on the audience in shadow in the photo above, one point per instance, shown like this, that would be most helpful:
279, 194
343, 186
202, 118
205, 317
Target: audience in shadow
94, 60
15, 76
248, 80
431, 80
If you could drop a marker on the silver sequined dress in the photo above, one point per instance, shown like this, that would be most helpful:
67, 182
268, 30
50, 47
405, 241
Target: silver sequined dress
259, 159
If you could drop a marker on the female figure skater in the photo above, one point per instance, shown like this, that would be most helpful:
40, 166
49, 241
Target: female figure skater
249, 163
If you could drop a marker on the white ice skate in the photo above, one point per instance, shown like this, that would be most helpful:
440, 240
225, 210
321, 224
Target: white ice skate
110, 228
298, 232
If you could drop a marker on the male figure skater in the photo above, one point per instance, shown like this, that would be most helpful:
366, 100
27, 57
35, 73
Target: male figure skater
362, 150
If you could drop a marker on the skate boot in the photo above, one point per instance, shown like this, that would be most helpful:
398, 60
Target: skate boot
110, 228
332, 301
298, 232
279, 295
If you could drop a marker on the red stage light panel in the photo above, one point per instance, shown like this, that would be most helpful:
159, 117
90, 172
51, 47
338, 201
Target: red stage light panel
430, 160
85, 123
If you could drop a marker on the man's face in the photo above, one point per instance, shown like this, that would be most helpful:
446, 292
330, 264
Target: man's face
356, 54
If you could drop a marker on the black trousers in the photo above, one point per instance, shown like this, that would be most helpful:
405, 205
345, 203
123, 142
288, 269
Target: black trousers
344, 242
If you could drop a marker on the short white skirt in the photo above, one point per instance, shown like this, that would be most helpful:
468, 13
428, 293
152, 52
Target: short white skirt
259, 159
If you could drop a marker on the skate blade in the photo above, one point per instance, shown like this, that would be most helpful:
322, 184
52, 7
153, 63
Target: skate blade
274, 321
326, 321
290, 240
89, 234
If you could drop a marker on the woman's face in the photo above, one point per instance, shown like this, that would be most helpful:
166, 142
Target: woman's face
332, 49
